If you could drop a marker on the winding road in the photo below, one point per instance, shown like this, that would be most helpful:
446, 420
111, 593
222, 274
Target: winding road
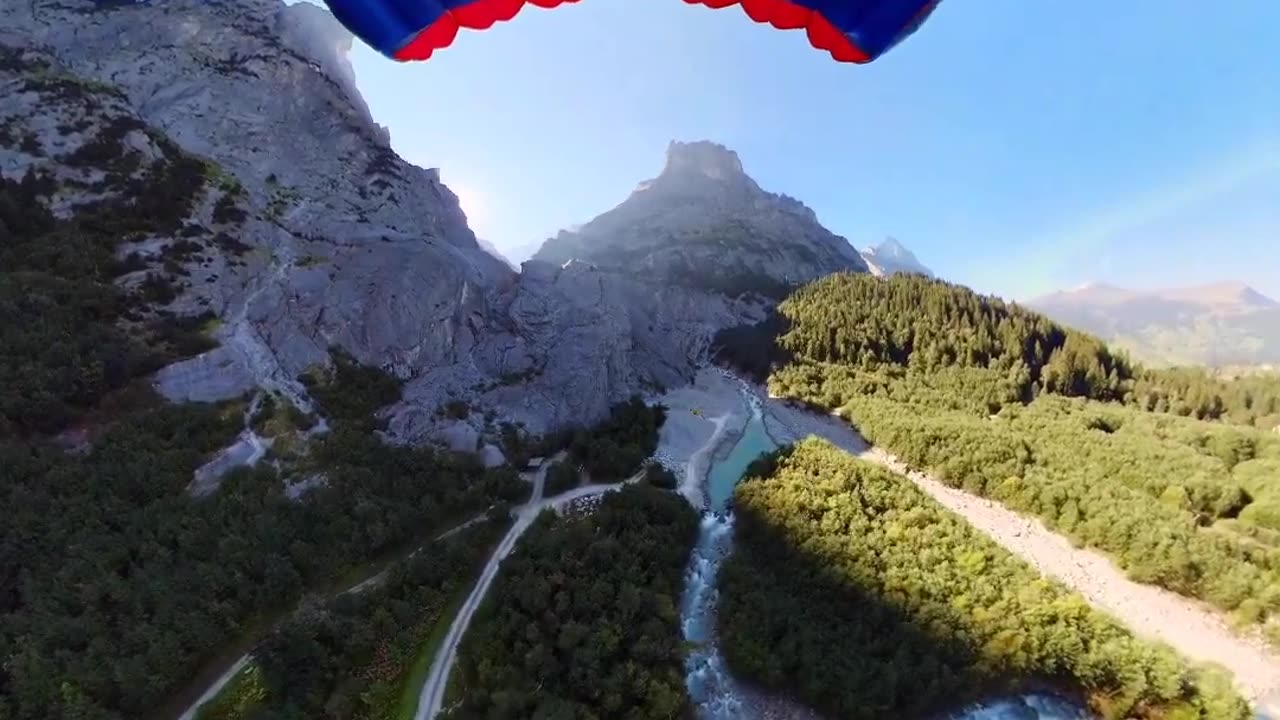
431, 700
227, 676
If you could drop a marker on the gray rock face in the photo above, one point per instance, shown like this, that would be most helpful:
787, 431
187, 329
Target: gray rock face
891, 257
565, 343
216, 375
338, 241
704, 223
460, 437
347, 244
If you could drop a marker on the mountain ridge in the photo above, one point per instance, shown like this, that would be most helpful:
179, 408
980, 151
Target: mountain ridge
704, 222
1224, 293
1216, 324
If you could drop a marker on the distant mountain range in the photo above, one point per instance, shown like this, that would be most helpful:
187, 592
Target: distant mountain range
1216, 325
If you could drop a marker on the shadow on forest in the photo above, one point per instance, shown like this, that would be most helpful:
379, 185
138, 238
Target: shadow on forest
791, 624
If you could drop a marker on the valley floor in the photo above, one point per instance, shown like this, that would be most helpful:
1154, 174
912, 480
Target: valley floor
705, 417
1192, 628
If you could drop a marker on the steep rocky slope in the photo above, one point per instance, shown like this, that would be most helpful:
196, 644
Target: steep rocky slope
630, 301
320, 236
563, 344
343, 243
1216, 325
704, 223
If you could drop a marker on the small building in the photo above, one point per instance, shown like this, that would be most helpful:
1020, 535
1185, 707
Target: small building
534, 463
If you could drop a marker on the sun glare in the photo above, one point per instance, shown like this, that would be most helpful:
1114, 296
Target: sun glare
469, 201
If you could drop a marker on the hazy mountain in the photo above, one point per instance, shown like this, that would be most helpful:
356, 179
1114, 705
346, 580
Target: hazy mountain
890, 257
1216, 325
704, 223
494, 251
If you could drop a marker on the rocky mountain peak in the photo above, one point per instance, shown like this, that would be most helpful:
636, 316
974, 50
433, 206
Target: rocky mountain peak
317, 34
891, 256
890, 247
703, 158
704, 223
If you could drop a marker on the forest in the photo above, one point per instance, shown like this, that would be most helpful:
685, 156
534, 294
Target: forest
926, 325
361, 655
1195, 392
854, 592
116, 585
71, 336
610, 451
1187, 504
583, 620
908, 322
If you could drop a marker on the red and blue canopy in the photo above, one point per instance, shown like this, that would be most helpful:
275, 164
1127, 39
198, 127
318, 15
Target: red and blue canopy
856, 31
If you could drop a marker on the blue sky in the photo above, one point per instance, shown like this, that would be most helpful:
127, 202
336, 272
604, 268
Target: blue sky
1016, 146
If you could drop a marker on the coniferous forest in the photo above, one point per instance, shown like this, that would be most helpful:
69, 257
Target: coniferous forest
1049, 422
583, 620
853, 591
361, 655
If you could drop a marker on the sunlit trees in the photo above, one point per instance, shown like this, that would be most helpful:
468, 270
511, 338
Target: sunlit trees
583, 619
856, 593
927, 325
1004, 404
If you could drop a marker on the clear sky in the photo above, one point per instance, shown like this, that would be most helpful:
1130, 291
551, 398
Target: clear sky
1016, 146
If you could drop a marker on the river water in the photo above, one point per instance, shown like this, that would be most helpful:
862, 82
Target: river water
714, 692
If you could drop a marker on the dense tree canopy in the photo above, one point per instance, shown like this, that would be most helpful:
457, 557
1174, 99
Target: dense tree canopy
854, 591
609, 451
926, 325
353, 655
1189, 505
1194, 392
561, 477
613, 449
754, 349
912, 323
583, 620
116, 585
70, 335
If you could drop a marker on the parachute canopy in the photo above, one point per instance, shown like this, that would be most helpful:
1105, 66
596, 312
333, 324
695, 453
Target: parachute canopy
856, 31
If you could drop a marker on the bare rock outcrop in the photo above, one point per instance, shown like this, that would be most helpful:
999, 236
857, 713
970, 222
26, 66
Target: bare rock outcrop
342, 242
565, 343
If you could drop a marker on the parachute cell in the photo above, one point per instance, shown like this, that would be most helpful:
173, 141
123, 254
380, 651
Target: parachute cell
856, 31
